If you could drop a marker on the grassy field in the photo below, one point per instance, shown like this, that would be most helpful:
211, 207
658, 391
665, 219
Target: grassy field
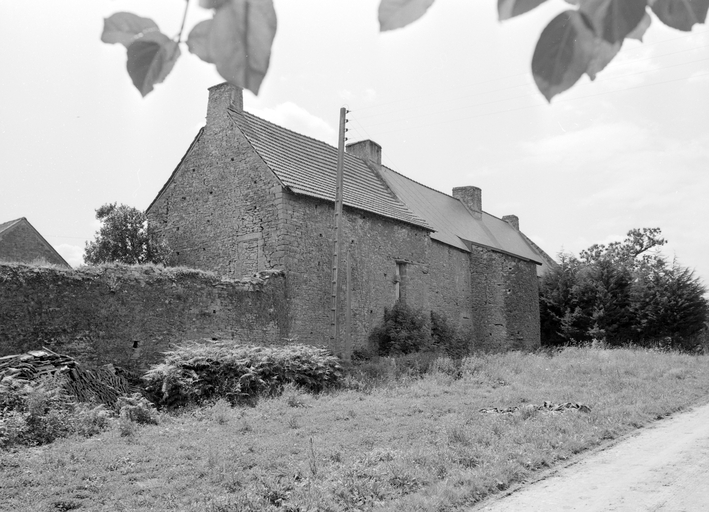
404, 443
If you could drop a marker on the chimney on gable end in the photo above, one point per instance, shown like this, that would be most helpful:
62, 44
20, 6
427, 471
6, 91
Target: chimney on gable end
221, 97
367, 150
471, 197
512, 220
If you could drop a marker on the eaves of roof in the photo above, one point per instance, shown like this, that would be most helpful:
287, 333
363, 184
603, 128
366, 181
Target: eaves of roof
454, 224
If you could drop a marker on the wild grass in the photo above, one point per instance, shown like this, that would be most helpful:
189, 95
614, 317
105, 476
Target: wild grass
410, 442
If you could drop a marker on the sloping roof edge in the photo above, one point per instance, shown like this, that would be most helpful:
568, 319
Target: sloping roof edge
172, 176
248, 118
4, 228
230, 112
497, 249
551, 262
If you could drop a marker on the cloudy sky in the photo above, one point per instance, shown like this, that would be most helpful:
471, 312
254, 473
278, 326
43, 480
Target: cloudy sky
450, 99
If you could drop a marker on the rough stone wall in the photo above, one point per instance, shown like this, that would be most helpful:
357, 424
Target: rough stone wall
129, 315
451, 288
505, 300
219, 211
21, 244
375, 243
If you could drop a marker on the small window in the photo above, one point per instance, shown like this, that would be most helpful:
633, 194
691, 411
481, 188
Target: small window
399, 280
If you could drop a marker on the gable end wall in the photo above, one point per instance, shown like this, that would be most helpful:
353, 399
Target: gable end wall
220, 211
21, 244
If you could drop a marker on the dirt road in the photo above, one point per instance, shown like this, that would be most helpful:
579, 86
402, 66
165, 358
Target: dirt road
664, 467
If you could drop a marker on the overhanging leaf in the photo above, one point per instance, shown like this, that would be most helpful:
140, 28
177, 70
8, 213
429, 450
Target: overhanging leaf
212, 4
639, 31
613, 20
240, 40
681, 14
395, 14
603, 53
198, 40
126, 27
507, 9
563, 53
150, 60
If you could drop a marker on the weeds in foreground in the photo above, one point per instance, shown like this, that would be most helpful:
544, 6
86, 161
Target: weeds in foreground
40, 412
410, 442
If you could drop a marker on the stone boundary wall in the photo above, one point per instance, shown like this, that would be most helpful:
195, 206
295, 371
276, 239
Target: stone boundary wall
129, 315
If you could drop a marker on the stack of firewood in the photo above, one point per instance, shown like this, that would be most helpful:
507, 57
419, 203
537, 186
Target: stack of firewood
34, 364
99, 385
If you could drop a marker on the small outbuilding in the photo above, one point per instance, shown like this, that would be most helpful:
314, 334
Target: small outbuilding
21, 242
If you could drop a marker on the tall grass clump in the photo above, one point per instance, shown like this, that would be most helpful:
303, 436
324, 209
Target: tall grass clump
200, 372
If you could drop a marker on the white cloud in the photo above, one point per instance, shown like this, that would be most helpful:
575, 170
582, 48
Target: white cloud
296, 118
594, 143
73, 254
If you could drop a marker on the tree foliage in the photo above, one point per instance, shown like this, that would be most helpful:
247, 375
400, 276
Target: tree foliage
623, 292
238, 38
124, 237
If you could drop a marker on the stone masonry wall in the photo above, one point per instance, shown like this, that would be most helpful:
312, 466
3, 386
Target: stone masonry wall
376, 244
219, 212
450, 285
505, 301
21, 244
130, 315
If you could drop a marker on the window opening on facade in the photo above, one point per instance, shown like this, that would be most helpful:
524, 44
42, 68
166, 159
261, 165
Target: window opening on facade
399, 277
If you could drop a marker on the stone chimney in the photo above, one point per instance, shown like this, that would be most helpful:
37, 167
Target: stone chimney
221, 97
471, 197
367, 150
512, 220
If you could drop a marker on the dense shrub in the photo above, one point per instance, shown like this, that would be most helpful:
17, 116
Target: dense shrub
38, 412
622, 294
447, 339
403, 330
198, 372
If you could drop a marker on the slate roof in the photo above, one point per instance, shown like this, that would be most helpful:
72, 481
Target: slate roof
453, 222
308, 166
7, 225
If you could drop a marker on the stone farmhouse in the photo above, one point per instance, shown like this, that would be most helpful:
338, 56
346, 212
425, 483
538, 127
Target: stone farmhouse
250, 196
21, 242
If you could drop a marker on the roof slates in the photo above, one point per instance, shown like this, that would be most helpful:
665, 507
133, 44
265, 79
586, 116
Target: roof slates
309, 166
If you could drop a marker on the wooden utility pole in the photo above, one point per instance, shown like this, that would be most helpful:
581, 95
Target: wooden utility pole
336, 345
347, 350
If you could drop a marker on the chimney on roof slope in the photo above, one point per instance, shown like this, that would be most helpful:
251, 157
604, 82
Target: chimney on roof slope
221, 97
366, 150
471, 197
512, 220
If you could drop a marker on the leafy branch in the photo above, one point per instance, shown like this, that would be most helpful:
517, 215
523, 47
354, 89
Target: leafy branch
238, 37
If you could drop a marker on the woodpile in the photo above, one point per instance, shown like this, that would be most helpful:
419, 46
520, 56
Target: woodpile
98, 385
